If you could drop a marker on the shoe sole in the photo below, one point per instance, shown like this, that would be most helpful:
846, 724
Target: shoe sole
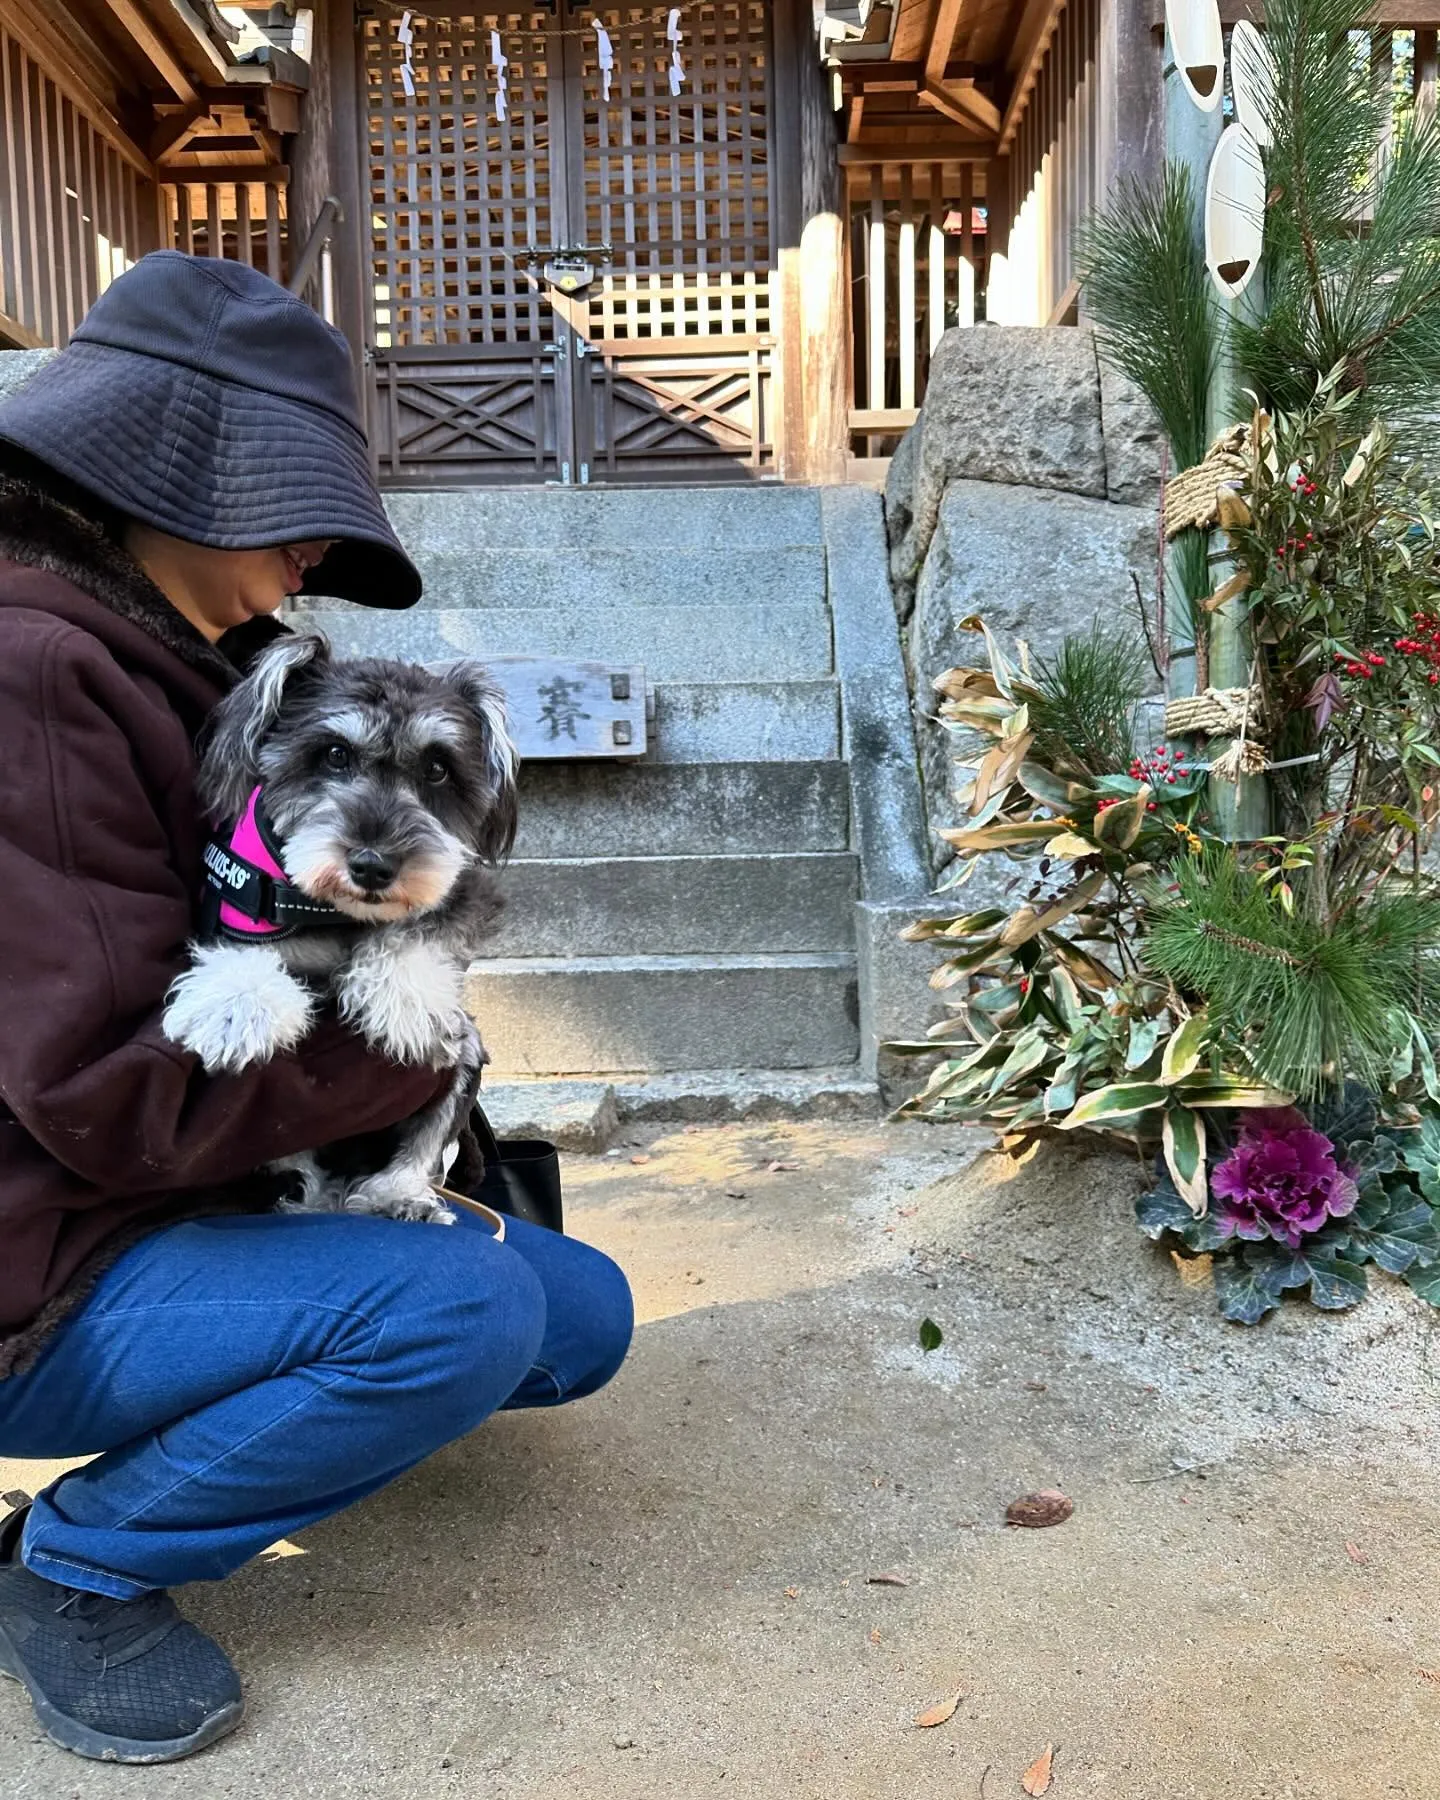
101, 1746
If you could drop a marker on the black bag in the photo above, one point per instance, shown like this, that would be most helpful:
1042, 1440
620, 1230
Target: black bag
516, 1176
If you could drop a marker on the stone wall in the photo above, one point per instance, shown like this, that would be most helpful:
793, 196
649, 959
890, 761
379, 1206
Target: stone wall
1028, 492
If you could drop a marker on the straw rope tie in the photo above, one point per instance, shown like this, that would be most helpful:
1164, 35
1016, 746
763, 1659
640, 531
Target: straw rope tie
1192, 496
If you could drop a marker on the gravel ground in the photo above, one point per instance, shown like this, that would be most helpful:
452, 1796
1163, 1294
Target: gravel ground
663, 1591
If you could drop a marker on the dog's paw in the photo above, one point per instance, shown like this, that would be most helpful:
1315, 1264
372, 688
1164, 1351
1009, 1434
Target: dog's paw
406, 1000
236, 1006
399, 1194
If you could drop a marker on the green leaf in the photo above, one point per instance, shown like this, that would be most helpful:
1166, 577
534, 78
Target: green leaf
1030, 1050
931, 1336
1120, 824
1336, 1284
1346, 1115
1426, 1282
1041, 785
1243, 1291
1426, 1058
1162, 1209
1185, 1048
1117, 1101
1144, 1036
1365, 1160
1396, 1235
1184, 1150
1223, 1094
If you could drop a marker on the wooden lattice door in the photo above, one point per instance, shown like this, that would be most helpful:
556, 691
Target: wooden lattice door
660, 368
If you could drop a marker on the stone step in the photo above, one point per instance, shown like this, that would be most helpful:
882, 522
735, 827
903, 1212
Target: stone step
687, 905
583, 1113
688, 643
560, 1016
752, 721
598, 577
627, 518
682, 809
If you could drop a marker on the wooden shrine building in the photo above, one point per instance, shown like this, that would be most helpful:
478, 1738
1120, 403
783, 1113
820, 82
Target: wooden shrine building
718, 241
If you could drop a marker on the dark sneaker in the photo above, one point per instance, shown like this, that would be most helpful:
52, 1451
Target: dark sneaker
122, 1680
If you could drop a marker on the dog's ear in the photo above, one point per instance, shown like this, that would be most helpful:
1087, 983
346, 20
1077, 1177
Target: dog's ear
235, 731
480, 692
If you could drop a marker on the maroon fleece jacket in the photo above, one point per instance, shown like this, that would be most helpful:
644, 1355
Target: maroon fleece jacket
107, 1130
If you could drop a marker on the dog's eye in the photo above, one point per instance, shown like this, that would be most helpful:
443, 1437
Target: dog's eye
437, 771
337, 757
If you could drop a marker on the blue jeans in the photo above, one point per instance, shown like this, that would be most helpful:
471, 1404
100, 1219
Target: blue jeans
246, 1376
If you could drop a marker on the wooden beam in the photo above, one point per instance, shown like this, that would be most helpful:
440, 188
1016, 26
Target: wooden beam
1037, 27
965, 105
918, 150
156, 51
177, 128
942, 38
55, 56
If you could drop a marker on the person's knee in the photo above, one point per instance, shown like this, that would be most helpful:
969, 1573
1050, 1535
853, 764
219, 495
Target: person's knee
610, 1323
467, 1321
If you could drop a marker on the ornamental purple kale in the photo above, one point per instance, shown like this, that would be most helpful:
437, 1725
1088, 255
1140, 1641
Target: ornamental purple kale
1280, 1181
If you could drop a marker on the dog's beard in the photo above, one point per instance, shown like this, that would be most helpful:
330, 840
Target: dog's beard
315, 860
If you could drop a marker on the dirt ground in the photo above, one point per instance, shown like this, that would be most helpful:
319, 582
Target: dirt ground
664, 1591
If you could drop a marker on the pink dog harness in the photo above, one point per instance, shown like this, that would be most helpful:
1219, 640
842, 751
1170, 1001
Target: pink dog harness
248, 897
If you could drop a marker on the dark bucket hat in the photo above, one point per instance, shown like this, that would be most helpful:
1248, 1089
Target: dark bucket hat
203, 399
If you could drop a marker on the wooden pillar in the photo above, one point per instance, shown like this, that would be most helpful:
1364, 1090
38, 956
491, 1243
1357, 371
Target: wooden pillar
326, 159
1425, 61
1130, 102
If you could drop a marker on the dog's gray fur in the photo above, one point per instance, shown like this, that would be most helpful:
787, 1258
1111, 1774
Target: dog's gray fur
416, 767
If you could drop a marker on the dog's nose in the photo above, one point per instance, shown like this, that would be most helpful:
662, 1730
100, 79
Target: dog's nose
370, 870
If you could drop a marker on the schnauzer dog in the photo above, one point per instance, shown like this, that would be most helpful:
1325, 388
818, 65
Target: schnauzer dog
359, 801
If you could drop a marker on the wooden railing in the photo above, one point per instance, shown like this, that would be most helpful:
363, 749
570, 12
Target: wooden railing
916, 267
243, 220
77, 205
1052, 177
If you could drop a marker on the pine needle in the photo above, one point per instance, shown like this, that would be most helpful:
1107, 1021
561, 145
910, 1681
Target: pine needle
1304, 999
1080, 703
1146, 287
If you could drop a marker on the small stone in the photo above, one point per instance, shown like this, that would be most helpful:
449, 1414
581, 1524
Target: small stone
624, 1743
1048, 1507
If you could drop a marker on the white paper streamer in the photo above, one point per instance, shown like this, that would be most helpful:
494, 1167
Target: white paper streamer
405, 36
677, 67
500, 62
607, 57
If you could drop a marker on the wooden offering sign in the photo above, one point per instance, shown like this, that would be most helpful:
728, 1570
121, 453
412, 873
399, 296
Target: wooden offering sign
573, 710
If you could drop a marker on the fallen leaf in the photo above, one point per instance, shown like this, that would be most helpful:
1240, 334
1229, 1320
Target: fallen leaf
1036, 1779
940, 1711
874, 1634
1048, 1507
777, 1168
1431, 1675
1194, 1271
887, 1581
931, 1336
792, 1593
907, 1212
642, 1158
1037, 1387
1355, 1553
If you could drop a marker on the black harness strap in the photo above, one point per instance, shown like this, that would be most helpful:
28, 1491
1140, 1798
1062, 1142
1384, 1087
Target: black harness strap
232, 880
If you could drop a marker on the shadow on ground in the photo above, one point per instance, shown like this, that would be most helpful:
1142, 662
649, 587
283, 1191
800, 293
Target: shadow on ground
663, 1591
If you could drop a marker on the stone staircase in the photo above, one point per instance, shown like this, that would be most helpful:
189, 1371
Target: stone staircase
694, 911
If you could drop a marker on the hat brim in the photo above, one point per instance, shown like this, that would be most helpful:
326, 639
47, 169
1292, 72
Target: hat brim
216, 463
